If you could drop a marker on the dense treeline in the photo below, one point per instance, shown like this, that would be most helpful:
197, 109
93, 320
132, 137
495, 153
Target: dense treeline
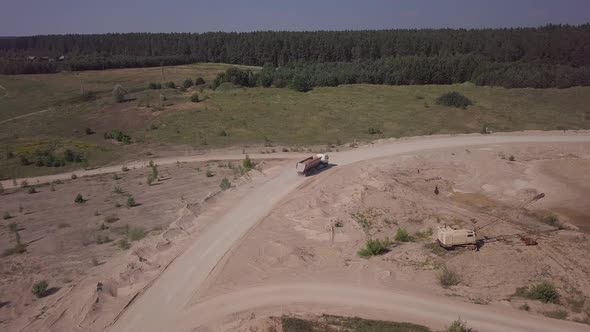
410, 70
553, 55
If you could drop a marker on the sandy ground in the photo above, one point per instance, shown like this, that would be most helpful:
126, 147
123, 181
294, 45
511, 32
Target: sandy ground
64, 238
294, 261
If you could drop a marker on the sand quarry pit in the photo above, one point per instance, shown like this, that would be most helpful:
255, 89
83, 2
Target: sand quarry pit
281, 244
312, 238
97, 254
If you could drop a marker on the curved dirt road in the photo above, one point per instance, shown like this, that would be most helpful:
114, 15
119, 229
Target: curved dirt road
400, 305
167, 300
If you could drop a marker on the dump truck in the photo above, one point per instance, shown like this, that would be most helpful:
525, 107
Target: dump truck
449, 238
310, 164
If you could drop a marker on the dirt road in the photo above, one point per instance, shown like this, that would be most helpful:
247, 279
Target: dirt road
396, 305
167, 300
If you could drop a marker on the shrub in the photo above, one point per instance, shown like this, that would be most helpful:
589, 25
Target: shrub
95, 261
459, 326
119, 93
24, 184
118, 190
199, 81
125, 169
448, 277
74, 176
374, 131
403, 236
225, 184
131, 202
32, 190
195, 98
374, 248
6, 215
511, 158
136, 233
301, 83
79, 199
209, 173
124, 244
150, 179
525, 307
52, 188
247, 163
171, 85
223, 133
154, 86
543, 291
187, 83
117, 204
453, 99
116, 177
40, 288
111, 218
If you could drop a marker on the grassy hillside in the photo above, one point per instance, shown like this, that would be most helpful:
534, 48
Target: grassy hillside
232, 116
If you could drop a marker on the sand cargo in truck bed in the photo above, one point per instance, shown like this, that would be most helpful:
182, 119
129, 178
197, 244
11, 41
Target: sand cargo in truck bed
311, 164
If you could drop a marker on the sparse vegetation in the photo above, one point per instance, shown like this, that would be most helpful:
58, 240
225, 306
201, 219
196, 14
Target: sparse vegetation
448, 277
512, 158
525, 307
247, 163
374, 247
459, 326
154, 86
40, 288
79, 199
195, 98
171, 85
187, 83
453, 99
402, 235
119, 136
32, 190
136, 233
543, 291
374, 131
124, 244
131, 202
225, 184
330, 323
199, 81
551, 220
209, 173
118, 190
119, 93
124, 169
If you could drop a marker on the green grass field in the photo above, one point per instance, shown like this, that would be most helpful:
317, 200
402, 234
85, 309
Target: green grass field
251, 116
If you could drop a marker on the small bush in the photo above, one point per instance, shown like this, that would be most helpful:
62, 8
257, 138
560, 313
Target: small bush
74, 176
116, 177
119, 93
403, 236
374, 248
6, 215
136, 233
195, 98
448, 277
131, 202
124, 244
111, 218
453, 99
543, 291
63, 225
32, 190
225, 184
24, 184
171, 85
154, 86
52, 188
525, 307
95, 261
118, 190
40, 288
209, 173
79, 199
374, 131
150, 179
551, 220
511, 158
187, 83
247, 163
125, 169
199, 81
459, 326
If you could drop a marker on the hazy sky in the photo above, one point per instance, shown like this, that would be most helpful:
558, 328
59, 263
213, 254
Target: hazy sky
28, 17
